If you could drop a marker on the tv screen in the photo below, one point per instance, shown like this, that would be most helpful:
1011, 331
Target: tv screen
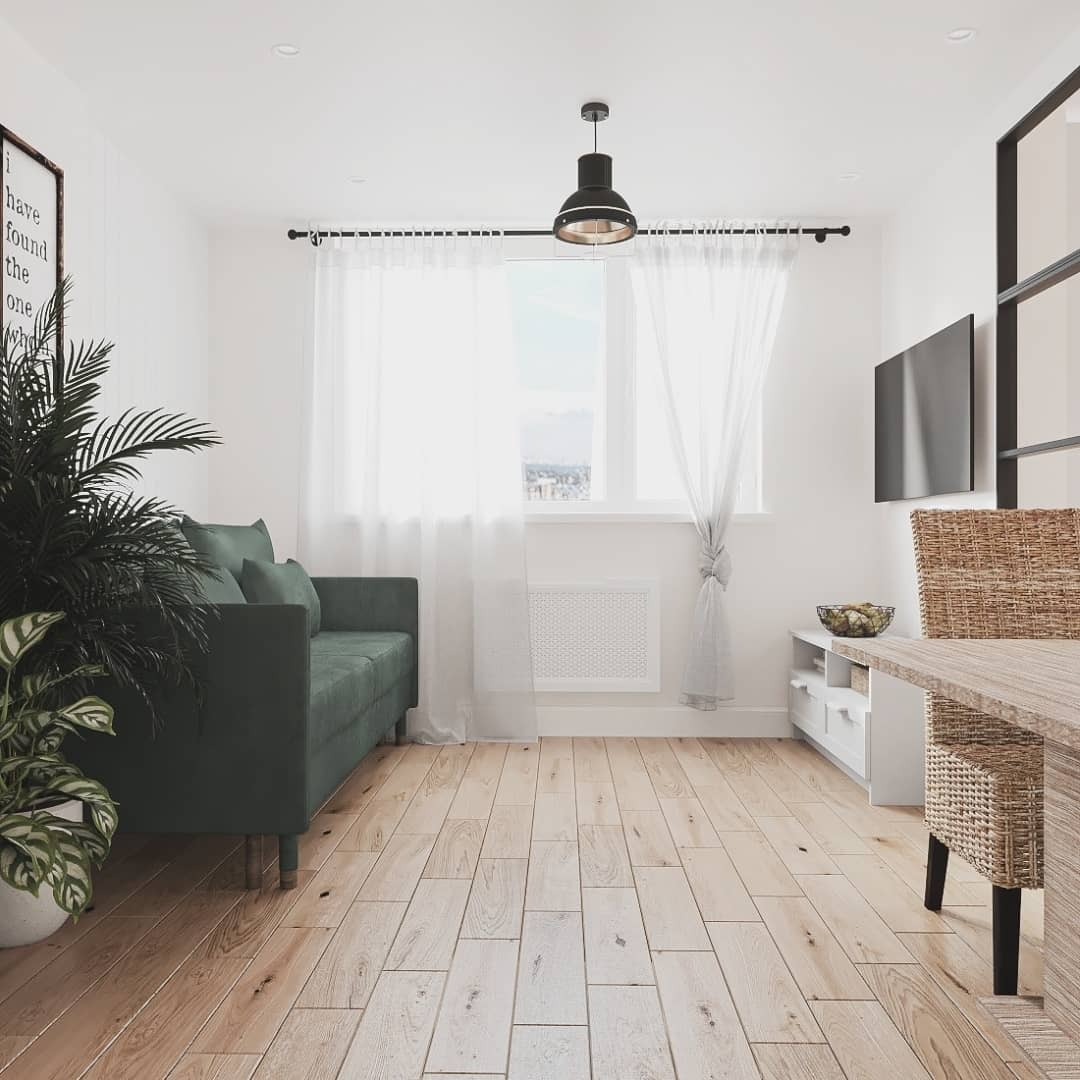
924, 417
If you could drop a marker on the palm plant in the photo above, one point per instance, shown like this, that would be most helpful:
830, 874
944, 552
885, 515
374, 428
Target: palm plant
74, 535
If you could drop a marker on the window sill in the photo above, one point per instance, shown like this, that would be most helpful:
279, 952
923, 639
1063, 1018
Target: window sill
585, 516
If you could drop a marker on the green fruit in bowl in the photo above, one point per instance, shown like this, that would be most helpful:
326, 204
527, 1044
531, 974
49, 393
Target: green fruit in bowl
855, 620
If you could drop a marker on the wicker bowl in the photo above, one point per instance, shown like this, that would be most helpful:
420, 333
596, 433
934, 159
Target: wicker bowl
855, 620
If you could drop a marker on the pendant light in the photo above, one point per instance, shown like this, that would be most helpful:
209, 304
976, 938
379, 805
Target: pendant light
594, 214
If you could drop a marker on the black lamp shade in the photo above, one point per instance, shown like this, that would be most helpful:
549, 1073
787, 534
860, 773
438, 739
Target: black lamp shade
595, 214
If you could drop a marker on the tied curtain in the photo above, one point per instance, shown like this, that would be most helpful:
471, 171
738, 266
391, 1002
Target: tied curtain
711, 302
412, 463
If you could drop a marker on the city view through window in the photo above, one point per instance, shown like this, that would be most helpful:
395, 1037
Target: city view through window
558, 315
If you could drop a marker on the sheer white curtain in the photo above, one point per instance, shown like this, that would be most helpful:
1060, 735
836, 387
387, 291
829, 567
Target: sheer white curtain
714, 300
413, 463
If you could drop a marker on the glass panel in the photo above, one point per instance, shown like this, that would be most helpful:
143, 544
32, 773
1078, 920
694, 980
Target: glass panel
558, 323
1049, 480
1048, 190
1048, 365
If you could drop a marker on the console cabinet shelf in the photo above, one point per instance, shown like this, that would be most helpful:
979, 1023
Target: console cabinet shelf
877, 738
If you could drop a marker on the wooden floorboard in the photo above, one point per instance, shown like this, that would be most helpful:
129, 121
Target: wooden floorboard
579, 909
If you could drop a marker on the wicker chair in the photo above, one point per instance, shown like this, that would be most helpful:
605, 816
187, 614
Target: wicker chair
991, 574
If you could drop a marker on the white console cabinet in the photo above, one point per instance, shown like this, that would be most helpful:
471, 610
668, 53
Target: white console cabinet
878, 738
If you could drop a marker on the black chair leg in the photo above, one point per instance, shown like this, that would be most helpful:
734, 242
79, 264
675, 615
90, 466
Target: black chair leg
1006, 936
937, 862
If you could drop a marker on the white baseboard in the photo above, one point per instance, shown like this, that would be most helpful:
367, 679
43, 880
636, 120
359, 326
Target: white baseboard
676, 721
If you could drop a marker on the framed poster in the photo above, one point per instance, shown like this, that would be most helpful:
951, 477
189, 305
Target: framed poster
31, 238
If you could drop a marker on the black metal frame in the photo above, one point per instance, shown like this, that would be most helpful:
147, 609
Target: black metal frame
7, 135
1011, 293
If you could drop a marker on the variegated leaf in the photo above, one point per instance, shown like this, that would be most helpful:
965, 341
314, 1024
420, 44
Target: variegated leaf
32, 685
91, 713
21, 742
102, 808
94, 844
32, 837
20, 765
19, 635
104, 817
50, 742
35, 720
70, 874
17, 869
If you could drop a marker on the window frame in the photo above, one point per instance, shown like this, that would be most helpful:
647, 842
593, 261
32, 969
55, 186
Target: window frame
1011, 293
617, 413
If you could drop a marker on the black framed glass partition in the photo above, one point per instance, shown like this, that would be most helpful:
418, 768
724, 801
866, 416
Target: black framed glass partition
1038, 324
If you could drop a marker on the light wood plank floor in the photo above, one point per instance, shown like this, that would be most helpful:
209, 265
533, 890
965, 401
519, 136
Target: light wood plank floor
580, 909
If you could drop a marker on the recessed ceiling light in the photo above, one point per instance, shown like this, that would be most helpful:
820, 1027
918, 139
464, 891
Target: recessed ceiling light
357, 179
850, 177
961, 35
284, 49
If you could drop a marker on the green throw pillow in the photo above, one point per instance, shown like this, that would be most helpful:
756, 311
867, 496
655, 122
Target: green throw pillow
221, 587
281, 583
217, 586
229, 545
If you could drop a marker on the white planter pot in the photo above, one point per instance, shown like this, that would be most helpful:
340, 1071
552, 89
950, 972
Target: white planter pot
25, 918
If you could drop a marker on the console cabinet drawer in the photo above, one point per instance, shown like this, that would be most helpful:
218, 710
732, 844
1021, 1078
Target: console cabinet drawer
806, 707
845, 731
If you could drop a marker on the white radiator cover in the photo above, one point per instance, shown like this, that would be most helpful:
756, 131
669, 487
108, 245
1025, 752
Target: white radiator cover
598, 636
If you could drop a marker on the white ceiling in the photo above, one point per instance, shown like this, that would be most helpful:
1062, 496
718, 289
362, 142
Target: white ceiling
468, 111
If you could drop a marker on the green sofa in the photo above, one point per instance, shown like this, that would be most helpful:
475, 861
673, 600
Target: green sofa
284, 717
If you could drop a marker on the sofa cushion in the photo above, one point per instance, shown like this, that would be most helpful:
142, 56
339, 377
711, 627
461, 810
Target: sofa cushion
389, 652
281, 583
351, 669
341, 687
229, 545
220, 587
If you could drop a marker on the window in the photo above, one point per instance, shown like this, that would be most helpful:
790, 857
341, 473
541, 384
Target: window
594, 436
558, 324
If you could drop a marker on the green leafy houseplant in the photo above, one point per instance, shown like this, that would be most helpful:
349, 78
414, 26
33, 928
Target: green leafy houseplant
74, 535
37, 847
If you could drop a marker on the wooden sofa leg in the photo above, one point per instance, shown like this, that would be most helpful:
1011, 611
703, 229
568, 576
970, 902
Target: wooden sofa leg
253, 864
288, 857
399, 730
937, 863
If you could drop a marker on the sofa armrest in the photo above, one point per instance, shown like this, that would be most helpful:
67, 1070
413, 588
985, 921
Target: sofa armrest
373, 603
257, 672
236, 761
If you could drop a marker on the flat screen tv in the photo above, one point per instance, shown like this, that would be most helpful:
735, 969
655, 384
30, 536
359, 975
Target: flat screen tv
924, 417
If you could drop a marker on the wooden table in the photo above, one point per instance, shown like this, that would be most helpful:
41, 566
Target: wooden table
1034, 685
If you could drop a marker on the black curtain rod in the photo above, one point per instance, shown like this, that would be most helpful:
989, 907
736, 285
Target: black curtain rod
819, 232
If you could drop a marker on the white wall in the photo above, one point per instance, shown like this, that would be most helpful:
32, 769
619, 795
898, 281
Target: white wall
259, 286
938, 264
815, 545
138, 259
